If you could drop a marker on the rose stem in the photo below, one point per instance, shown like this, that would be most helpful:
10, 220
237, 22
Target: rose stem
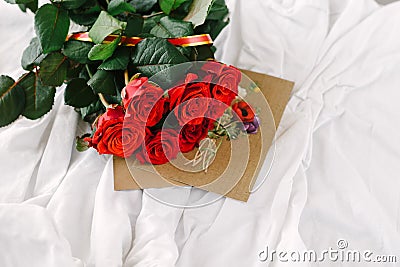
101, 96
126, 75
152, 15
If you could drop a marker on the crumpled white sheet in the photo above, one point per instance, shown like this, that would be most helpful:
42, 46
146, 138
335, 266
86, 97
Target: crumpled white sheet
335, 174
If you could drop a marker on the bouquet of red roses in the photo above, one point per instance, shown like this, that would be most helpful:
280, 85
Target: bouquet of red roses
155, 123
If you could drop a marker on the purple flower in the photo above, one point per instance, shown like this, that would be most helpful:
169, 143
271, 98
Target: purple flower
252, 127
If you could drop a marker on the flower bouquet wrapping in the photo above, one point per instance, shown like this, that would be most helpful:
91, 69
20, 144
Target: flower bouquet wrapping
224, 153
143, 75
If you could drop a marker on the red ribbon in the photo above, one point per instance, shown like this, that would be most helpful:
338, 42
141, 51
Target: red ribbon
194, 40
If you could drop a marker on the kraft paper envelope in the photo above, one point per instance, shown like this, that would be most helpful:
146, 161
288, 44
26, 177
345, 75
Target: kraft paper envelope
226, 174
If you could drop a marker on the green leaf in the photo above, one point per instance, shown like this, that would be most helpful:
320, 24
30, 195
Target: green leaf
39, 99
77, 51
33, 6
151, 22
12, 100
182, 11
51, 26
103, 82
18, 1
70, 4
90, 113
168, 27
113, 99
32, 55
103, 51
78, 94
22, 7
134, 25
81, 145
198, 12
155, 54
168, 5
74, 71
201, 53
53, 69
104, 26
119, 61
218, 11
216, 20
116, 7
172, 28
143, 6
213, 27
85, 15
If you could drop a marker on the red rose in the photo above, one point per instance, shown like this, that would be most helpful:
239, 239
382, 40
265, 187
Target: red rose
130, 90
226, 80
160, 147
244, 111
191, 135
146, 105
113, 137
189, 102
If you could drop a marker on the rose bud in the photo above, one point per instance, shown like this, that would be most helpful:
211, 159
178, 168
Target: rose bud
252, 127
244, 111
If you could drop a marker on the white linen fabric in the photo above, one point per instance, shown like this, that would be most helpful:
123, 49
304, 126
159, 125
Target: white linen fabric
335, 174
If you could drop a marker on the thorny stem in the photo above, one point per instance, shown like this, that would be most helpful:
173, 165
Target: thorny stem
101, 96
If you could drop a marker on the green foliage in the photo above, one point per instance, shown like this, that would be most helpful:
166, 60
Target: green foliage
116, 7
51, 26
169, 5
87, 14
216, 20
53, 69
12, 100
134, 25
50, 60
32, 6
155, 54
90, 112
104, 26
81, 145
119, 61
39, 99
32, 55
69, 4
198, 11
103, 82
77, 51
78, 94
142, 6
151, 22
103, 51
172, 28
